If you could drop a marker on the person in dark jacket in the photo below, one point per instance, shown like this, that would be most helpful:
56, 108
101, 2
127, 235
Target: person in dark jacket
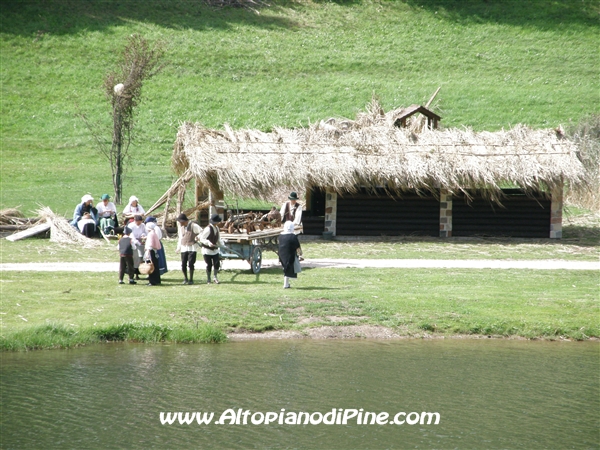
289, 249
126, 252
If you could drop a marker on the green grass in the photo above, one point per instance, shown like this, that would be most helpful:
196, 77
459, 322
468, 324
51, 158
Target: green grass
499, 63
65, 309
581, 242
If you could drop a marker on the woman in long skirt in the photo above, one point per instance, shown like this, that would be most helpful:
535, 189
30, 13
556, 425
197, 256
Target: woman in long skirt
289, 249
152, 246
162, 258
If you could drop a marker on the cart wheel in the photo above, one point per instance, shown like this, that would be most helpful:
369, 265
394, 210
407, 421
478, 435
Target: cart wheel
256, 260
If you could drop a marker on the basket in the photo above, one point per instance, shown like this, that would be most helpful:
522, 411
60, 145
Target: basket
146, 268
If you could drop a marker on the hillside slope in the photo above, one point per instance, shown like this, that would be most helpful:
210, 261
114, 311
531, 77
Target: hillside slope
286, 65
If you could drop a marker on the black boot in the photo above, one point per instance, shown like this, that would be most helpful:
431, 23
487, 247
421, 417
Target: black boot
191, 276
185, 278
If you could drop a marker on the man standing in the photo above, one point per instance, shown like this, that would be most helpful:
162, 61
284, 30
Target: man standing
211, 241
189, 233
292, 210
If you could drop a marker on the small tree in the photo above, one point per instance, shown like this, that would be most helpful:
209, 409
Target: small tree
139, 62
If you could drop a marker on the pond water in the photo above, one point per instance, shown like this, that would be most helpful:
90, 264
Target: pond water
488, 394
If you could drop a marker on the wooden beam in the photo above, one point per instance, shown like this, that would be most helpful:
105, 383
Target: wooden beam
30, 232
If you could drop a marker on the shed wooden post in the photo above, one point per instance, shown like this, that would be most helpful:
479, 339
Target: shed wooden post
445, 213
330, 210
216, 197
556, 212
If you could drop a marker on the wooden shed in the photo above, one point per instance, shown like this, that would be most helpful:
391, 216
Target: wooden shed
370, 177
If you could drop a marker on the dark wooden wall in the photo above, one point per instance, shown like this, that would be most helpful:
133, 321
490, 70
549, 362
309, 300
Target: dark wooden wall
365, 214
520, 216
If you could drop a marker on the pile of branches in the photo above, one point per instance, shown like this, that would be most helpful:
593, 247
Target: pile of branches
249, 222
12, 216
11, 219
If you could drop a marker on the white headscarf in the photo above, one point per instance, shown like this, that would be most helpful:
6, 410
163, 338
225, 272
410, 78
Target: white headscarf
86, 198
150, 226
133, 198
288, 228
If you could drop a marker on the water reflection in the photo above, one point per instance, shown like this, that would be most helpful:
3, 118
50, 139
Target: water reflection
490, 394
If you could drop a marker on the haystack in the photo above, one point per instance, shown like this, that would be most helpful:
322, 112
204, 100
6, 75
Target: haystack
343, 154
62, 232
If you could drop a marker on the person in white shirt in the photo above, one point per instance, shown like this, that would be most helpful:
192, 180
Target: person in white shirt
292, 210
107, 215
189, 234
87, 225
132, 209
138, 234
211, 241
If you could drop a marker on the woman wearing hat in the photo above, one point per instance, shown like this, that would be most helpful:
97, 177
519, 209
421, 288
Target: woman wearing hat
132, 209
86, 206
292, 210
107, 214
189, 234
289, 250
211, 241
162, 258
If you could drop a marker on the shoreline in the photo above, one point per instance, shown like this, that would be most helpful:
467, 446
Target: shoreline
376, 332
57, 337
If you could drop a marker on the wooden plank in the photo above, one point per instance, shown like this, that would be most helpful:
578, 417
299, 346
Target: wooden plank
30, 232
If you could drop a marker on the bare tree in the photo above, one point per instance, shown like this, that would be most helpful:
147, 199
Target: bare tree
139, 62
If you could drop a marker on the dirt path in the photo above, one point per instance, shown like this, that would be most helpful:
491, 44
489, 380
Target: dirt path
328, 263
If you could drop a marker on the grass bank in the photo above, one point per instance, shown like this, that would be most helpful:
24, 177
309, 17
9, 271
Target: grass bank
46, 310
499, 63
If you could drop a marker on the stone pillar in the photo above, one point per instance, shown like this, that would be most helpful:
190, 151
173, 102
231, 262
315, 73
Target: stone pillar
556, 213
330, 210
445, 213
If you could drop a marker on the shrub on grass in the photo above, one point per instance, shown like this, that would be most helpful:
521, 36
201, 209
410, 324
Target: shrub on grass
60, 336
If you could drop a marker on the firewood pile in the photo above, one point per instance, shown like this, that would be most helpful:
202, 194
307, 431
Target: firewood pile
249, 222
12, 219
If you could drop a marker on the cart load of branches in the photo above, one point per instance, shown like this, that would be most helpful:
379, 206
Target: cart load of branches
250, 222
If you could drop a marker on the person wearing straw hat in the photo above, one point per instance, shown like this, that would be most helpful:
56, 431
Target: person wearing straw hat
289, 250
189, 234
292, 210
211, 241
107, 215
86, 206
132, 209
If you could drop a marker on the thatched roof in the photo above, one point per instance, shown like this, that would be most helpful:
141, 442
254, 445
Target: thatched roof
370, 151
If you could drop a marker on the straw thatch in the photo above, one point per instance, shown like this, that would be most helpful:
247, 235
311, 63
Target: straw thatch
62, 232
370, 151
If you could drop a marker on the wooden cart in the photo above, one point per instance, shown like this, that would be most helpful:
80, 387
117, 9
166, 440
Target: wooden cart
250, 246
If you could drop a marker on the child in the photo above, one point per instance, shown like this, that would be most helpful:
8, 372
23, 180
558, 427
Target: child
126, 251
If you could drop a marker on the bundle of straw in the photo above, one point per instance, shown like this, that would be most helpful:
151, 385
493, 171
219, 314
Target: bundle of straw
62, 232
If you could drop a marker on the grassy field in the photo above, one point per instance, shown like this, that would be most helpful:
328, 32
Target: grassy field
44, 309
295, 62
